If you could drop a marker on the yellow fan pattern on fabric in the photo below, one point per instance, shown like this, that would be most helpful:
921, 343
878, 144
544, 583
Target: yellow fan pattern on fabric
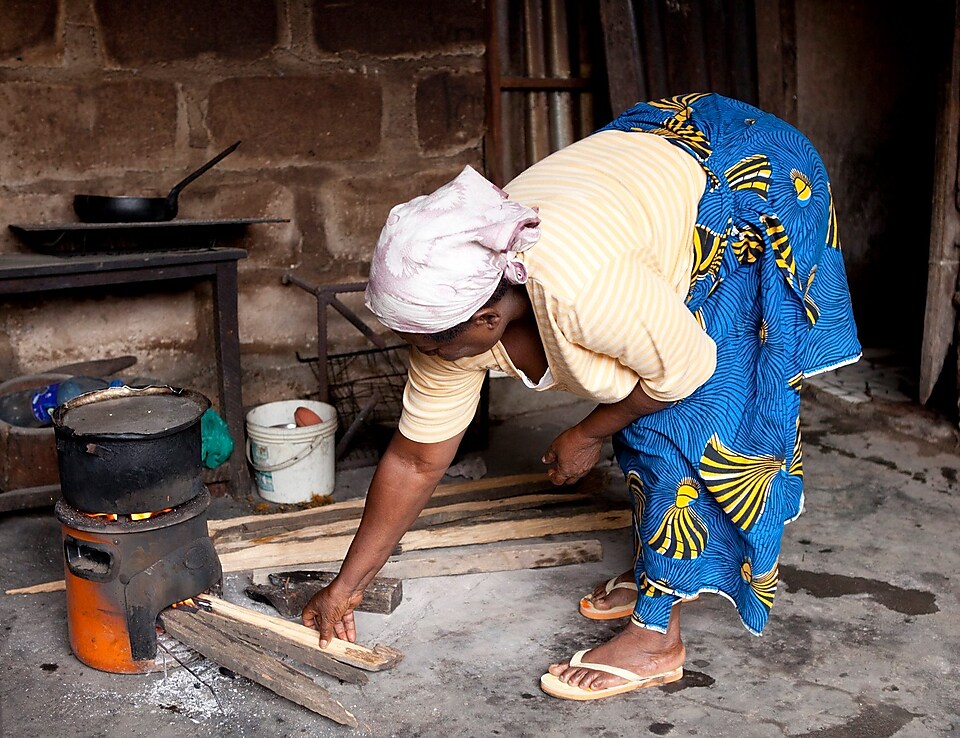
748, 247
682, 534
809, 304
739, 482
801, 183
752, 173
708, 247
782, 250
763, 586
833, 231
638, 499
648, 590
796, 383
679, 127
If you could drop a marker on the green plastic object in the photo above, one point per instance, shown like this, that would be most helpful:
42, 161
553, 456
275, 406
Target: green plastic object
216, 444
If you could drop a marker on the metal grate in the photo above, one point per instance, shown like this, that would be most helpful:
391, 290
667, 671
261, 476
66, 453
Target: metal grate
367, 384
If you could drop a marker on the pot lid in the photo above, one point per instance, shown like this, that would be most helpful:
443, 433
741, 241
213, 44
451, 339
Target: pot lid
126, 411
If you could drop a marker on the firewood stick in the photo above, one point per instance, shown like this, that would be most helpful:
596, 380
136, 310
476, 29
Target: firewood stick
267, 639
254, 664
378, 658
479, 559
335, 548
431, 516
535, 481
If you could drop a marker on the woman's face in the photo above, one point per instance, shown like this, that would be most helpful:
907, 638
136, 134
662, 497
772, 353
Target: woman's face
479, 337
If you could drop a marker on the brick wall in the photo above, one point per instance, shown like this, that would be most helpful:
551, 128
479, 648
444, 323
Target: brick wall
344, 107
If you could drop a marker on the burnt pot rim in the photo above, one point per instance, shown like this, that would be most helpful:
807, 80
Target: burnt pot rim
65, 431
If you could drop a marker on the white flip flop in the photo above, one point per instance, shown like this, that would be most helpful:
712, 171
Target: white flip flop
553, 686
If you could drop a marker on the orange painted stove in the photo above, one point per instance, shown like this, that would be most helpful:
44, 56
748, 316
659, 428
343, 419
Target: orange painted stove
122, 568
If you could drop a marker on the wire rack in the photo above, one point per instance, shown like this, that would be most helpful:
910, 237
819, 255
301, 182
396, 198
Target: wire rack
367, 384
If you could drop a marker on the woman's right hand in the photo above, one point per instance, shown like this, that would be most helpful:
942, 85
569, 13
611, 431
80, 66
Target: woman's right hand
330, 611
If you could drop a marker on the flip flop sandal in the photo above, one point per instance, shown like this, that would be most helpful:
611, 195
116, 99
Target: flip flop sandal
556, 688
589, 611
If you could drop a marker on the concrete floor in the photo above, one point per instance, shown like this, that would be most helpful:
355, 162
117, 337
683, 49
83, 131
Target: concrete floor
864, 639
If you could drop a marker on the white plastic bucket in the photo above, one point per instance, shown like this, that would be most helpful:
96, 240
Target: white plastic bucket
291, 464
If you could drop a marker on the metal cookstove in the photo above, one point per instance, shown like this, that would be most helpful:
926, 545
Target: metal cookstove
122, 568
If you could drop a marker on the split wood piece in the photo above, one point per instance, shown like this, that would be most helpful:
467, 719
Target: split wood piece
378, 658
254, 663
493, 488
289, 593
267, 639
58, 586
445, 493
471, 560
427, 518
335, 548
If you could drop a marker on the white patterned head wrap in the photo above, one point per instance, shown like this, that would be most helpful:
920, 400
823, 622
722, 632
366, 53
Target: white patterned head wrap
441, 256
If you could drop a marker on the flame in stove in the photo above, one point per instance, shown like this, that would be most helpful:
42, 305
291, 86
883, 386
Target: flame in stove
102, 516
144, 516
112, 517
188, 604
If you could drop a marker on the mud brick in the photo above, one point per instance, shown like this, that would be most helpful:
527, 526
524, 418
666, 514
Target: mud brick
388, 27
450, 110
334, 116
54, 129
137, 32
27, 24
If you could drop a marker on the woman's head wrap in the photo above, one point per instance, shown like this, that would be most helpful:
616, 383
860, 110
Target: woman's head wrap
440, 257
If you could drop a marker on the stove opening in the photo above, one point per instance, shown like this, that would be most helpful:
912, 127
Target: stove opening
94, 561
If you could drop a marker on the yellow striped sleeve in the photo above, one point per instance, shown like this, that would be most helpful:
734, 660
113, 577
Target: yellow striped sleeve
441, 397
629, 312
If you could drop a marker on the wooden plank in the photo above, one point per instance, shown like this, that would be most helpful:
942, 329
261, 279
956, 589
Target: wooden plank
939, 320
481, 559
378, 658
622, 47
29, 497
469, 560
254, 664
487, 488
777, 58
266, 639
289, 592
427, 518
335, 547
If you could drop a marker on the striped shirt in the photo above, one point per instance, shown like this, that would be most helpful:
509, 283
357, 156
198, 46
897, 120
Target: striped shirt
607, 281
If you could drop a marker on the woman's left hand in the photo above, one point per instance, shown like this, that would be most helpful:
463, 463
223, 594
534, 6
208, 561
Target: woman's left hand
573, 453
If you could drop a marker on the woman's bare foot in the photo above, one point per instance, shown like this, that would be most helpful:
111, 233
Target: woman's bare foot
617, 597
644, 652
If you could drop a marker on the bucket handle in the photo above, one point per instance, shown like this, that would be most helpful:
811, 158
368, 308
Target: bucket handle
300, 456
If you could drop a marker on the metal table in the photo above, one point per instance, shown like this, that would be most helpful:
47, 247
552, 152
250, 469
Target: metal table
23, 273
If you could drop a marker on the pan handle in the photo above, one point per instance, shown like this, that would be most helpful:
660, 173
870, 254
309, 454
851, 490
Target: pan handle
175, 190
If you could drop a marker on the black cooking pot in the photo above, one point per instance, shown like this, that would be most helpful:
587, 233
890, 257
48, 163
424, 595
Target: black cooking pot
124, 450
108, 209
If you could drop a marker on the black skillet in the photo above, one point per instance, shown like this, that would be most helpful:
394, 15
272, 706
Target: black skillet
108, 209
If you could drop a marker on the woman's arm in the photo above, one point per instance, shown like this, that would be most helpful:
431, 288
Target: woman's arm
577, 450
405, 478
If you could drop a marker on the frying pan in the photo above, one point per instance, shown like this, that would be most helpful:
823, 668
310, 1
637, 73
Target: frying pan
107, 209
